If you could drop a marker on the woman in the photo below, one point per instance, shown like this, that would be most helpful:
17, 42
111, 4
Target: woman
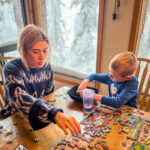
28, 79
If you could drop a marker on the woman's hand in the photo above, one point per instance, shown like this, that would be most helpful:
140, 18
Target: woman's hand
82, 86
67, 122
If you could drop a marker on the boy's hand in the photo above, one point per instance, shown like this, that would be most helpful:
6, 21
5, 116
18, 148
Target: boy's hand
82, 86
67, 122
98, 97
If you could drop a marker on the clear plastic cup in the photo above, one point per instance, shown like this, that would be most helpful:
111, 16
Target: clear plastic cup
88, 97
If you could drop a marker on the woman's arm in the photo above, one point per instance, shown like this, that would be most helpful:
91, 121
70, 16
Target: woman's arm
38, 111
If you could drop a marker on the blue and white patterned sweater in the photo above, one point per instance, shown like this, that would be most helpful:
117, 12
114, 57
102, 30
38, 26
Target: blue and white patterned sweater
24, 91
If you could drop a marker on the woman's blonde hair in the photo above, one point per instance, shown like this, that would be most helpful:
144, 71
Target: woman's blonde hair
124, 63
29, 36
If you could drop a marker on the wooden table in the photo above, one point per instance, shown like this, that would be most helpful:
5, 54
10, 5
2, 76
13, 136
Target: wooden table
49, 135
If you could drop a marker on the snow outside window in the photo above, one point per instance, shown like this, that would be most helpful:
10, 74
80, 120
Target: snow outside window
72, 29
144, 45
11, 23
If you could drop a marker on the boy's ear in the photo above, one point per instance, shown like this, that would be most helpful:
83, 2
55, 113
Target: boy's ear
128, 77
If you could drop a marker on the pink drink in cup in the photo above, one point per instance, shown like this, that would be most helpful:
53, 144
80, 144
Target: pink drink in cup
88, 97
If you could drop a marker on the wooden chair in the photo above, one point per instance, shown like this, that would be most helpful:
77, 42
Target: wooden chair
1, 96
3, 60
143, 75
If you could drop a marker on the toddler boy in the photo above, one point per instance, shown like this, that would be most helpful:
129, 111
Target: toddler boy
122, 85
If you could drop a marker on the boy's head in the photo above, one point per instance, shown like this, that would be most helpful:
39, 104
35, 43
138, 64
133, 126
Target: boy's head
122, 66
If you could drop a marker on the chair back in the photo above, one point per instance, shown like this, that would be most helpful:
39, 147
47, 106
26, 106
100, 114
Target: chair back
143, 75
1, 96
3, 60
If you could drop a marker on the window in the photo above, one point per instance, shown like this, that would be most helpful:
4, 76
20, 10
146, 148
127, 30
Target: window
144, 45
72, 27
11, 23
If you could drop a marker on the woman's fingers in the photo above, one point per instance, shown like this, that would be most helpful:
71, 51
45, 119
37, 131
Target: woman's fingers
73, 126
66, 122
64, 129
77, 125
70, 127
62, 126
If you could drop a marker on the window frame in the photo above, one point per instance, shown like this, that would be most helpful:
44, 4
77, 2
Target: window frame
138, 21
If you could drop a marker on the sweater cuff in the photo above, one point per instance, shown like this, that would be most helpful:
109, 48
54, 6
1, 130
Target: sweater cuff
39, 108
52, 113
35, 111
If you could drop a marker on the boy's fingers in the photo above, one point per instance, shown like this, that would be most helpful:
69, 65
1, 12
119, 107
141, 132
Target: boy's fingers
82, 86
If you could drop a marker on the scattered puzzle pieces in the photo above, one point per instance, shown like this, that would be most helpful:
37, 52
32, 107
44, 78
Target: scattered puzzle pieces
97, 126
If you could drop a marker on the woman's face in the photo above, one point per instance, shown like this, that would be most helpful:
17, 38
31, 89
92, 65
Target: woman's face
36, 56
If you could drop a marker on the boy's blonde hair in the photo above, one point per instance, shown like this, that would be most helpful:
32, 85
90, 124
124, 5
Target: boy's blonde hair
29, 36
124, 63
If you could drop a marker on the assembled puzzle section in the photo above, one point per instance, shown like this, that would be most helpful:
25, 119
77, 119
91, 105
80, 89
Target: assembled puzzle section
131, 125
98, 126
